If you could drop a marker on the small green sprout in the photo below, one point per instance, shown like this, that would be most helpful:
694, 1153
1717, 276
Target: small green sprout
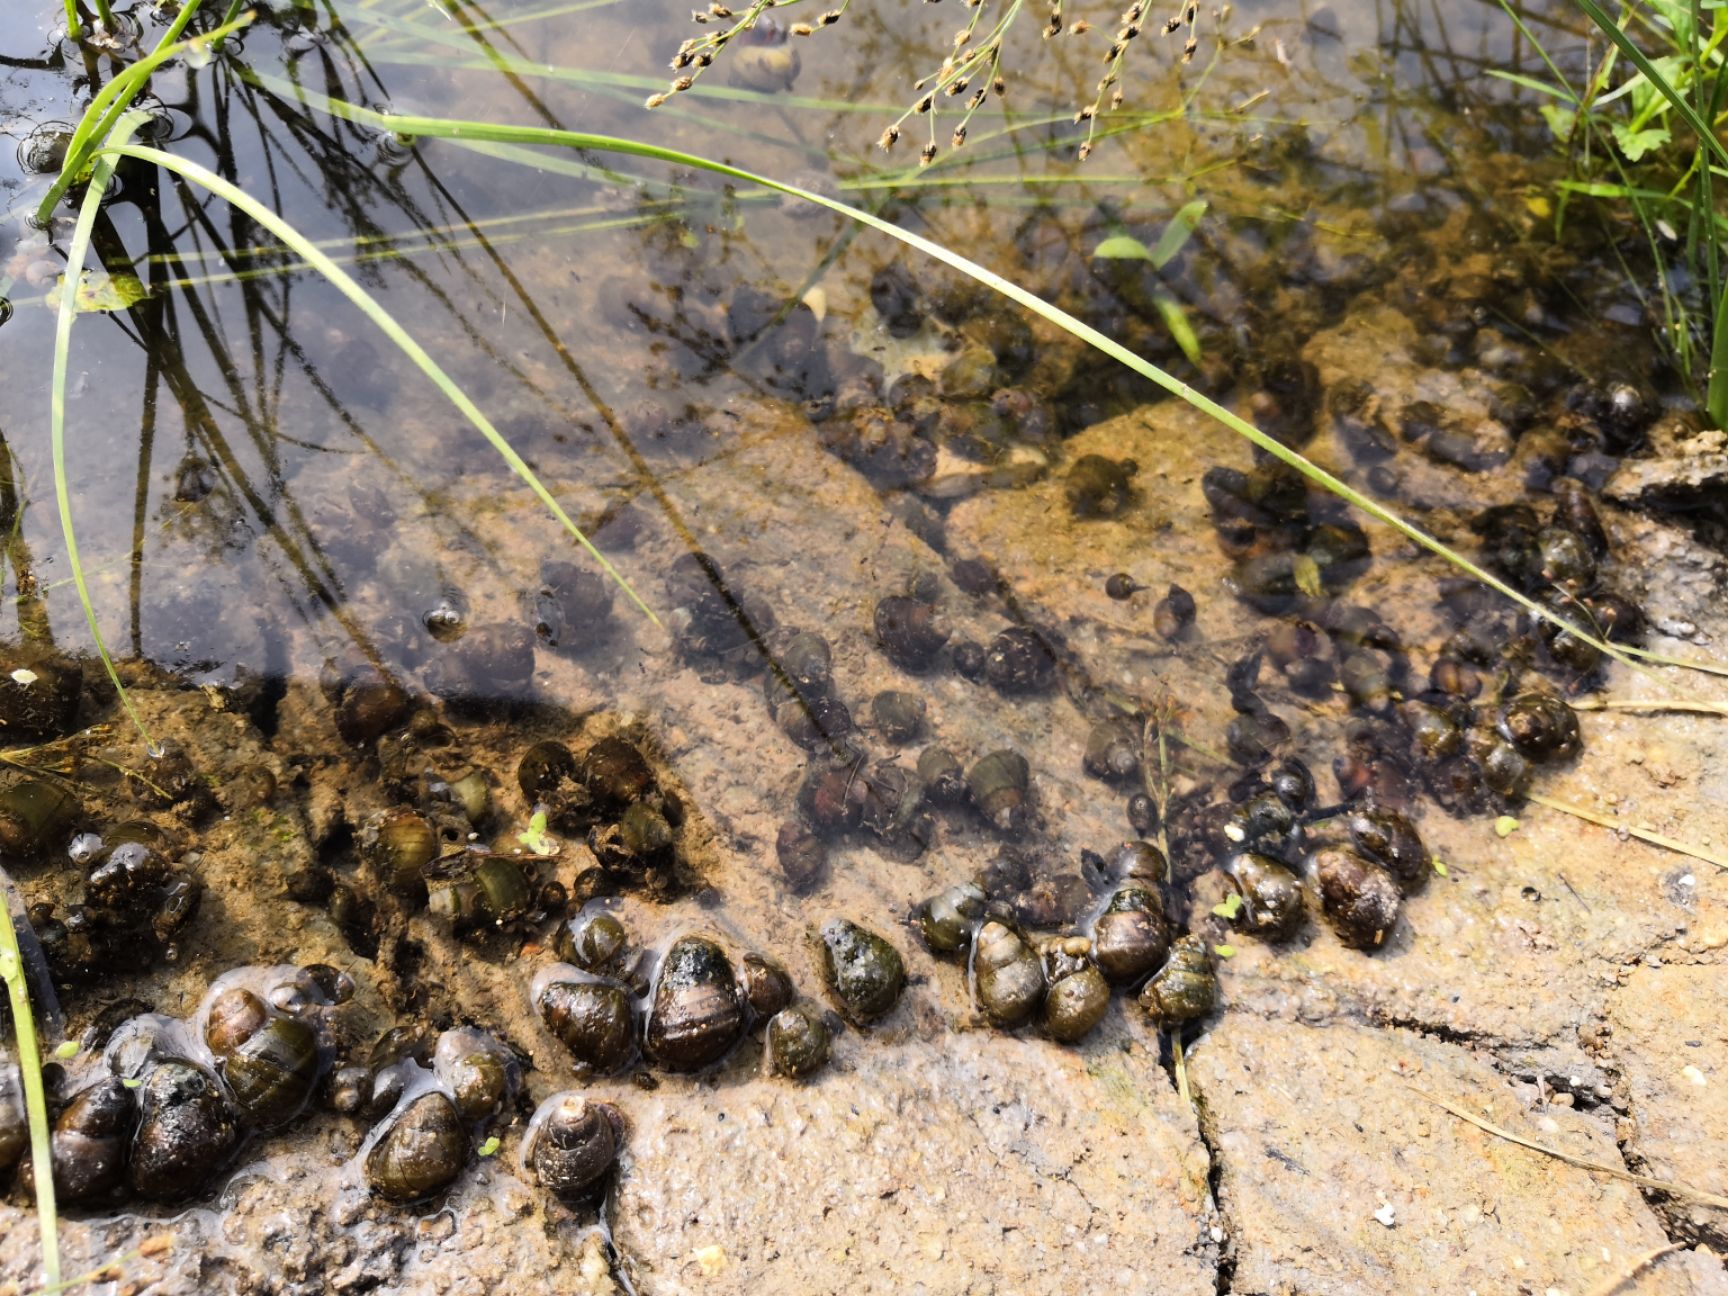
1224, 951
536, 839
67, 1050
1505, 826
490, 1147
1230, 908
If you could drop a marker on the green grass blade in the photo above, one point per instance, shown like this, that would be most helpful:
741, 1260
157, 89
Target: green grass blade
1611, 29
307, 251
35, 1100
436, 127
74, 28
76, 252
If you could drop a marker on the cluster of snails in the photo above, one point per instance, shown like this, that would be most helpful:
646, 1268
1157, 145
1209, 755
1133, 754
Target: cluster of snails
137, 899
913, 631
1287, 544
1063, 982
605, 1008
174, 1099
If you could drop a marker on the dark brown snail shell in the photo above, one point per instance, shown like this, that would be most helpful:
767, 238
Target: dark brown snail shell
1173, 614
1078, 995
371, 704
1360, 898
1541, 726
943, 776
697, 1014
1142, 814
398, 844
1389, 839
831, 798
897, 715
476, 1071
543, 770
1292, 782
575, 1146
1434, 733
947, 919
1504, 768
593, 941
1008, 977
802, 854
798, 1041
473, 890
1263, 817
910, 631
1100, 487
1131, 937
1113, 749
36, 815
814, 721
1186, 987
766, 985
1566, 559
1018, 660
270, 1062
421, 1152
616, 775
999, 784
865, 972
593, 1019
1272, 895
807, 660
186, 1132
90, 1142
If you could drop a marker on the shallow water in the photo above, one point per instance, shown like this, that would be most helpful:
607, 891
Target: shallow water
270, 498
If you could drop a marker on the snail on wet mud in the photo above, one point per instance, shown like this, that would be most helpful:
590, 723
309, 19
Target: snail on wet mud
697, 1013
572, 1146
863, 971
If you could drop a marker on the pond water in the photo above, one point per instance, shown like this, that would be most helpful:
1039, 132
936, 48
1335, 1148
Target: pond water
871, 510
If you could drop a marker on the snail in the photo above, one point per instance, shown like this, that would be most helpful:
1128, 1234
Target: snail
368, 705
1272, 894
999, 785
910, 632
865, 973
1018, 660
947, 919
943, 776
830, 797
1143, 815
595, 941
1078, 995
397, 845
572, 1145
1100, 487
969, 659
420, 1151
697, 1013
798, 1041
185, 1135
1113, 749
616, 776
476, 1071
1540, 725
473, 890
270, 1061
36, 815
1007, 976
1389, 839
766, 986
1131, 936
803, 856
1173, 614
90, 1142
593, 1018
1359, 898
806, 659
898, 716
543, 770
1185, 988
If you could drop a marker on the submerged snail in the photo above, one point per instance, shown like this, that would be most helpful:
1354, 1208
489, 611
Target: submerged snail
270, 1061
1100, 487
947, 919
1540, 725
1113, 749
1360, 898
1078, 995
91, 1141
1186, 987
910, 631
943, 776
1173, 614
999, 784
1007, 975
1131, 937
186, 1131
572, 1145
398, 844
697, 1013
420, 1151
803, 856
1019, 660
36, 815
865, 972
798, 1041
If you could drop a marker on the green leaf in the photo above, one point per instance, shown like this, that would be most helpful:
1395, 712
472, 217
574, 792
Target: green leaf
1224, 951
1176, 320
1177, 233
1229, 909
1531, 83
1636, 143
1505, 826
99, 292
1560, 120
535, 838
489, 1147
1439, 866
66, 1050
130, 1082
1122, 247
